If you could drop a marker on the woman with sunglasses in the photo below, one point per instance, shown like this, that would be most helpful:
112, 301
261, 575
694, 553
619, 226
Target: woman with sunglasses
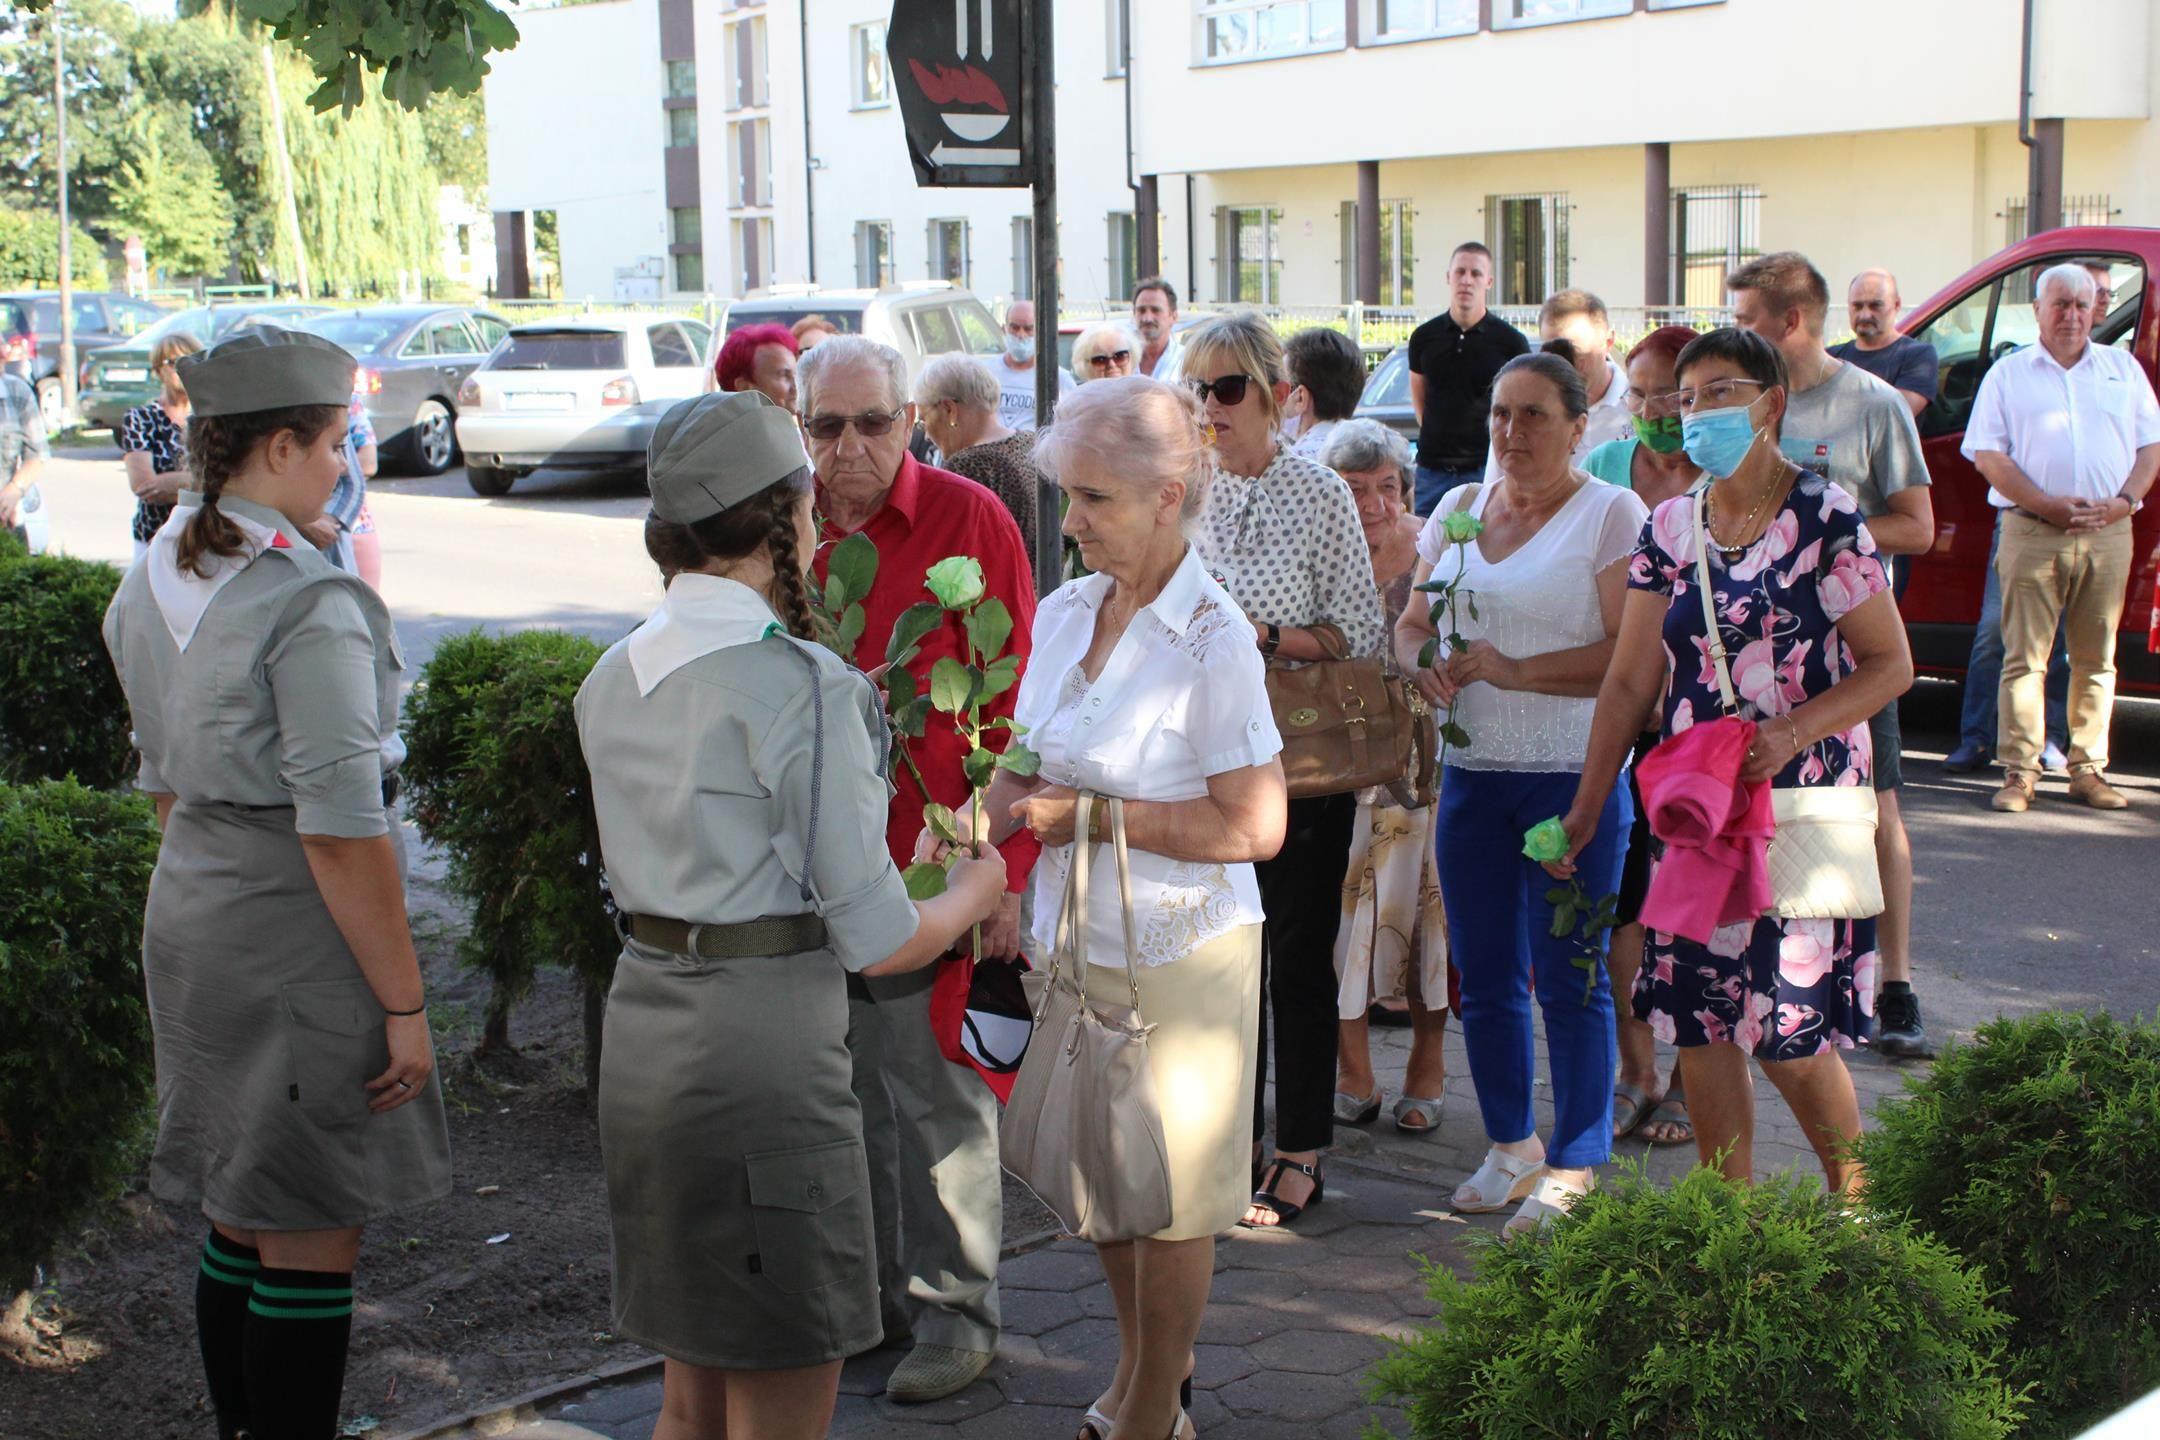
1282, 533
153, 441
957, 398
1816, 648
1104, 352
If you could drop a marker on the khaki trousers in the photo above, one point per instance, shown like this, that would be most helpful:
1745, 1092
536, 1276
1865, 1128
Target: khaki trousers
2049, 575
931, 1129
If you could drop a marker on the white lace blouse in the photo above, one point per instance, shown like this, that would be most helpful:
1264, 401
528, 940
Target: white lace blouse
1181, 698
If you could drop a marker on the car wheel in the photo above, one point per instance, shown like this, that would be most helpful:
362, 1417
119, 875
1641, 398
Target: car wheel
434, 441
487, 480
49, 402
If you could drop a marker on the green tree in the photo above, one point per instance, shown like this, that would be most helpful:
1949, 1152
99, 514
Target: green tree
210, 66
167, 191
97, 78
30, 252
456, 128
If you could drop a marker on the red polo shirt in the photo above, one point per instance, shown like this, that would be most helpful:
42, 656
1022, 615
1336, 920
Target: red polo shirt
930, 514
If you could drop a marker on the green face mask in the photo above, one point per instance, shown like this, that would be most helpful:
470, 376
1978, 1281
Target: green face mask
1661, 434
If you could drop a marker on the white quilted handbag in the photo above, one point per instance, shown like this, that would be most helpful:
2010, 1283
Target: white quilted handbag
1822, 859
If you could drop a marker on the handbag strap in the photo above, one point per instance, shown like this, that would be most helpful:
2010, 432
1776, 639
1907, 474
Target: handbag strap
1709, 603
1124, 885
1070, 943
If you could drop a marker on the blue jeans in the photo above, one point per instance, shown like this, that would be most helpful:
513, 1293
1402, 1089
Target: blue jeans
1433, 483
1983, 672
1500, 935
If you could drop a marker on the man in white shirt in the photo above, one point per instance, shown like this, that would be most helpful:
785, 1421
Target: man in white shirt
1580, 318
2068, 435
1154, 315
1015, 369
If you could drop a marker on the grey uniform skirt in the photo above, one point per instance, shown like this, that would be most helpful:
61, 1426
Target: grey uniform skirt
737, 1181
266, 1035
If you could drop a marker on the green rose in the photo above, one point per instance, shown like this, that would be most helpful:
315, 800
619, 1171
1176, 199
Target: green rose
1461, 526
956, 581
1546, 841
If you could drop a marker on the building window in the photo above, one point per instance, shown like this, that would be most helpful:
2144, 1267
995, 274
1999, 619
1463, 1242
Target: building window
1114, 35
949, 251
1248, 255
682, 127
1528, 235
690, 272
873, 253
1023, 256
1386, 21
1397, 255
682, 79
753, 254
2076, 210
1124, 267
1715, 230
1520, 14
1230, 31
749, 163
872, 84
686, 224
747, 67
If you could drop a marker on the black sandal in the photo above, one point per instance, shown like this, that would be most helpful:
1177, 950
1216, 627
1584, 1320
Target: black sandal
1284, 1212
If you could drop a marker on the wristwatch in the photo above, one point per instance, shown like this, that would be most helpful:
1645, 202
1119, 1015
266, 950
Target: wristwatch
2135, 503
1271, 640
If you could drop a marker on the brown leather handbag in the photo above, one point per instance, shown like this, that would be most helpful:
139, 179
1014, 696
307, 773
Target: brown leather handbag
1351, 723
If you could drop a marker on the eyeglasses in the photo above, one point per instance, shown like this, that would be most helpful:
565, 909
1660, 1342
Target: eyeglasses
1651, 407
1124, 357
1229, 389
1717, 395
870, 425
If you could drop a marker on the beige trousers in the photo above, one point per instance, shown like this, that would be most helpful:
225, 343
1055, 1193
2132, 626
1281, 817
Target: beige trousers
2048, 575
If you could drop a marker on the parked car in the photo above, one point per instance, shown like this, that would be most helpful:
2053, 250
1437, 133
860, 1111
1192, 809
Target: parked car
30, 334
1974, 321
584, 392
921, 320
412, 360
1387, 397
117, 378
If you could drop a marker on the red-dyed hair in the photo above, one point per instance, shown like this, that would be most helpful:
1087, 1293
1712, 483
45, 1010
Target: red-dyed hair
1666, 340
731, 367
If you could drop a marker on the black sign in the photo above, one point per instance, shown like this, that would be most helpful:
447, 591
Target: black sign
961, 67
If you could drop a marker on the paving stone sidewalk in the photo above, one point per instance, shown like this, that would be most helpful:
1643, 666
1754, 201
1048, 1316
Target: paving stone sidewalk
1294, 1318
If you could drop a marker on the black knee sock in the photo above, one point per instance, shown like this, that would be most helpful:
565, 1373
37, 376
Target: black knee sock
298, 1324
223, 1281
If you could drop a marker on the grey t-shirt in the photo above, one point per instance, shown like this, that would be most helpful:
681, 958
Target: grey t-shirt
1858, 432
1016, 392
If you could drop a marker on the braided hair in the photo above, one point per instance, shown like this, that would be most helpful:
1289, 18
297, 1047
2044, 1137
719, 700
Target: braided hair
766, 518
218, 448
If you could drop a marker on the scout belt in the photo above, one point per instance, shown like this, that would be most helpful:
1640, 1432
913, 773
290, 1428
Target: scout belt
774, 935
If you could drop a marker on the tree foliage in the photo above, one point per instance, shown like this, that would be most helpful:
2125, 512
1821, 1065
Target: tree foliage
30, 252
167, 191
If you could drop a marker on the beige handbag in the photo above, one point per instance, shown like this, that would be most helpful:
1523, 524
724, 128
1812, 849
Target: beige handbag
1083, 1128
1822, 859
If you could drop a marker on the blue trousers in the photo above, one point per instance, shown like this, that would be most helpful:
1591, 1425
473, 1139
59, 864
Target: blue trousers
1983, 672
1500, 934
1433, 483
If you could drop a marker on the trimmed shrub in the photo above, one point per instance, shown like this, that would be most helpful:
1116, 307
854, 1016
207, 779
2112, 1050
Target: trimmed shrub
1712, 1311
75, 1068
2035, 1151
61, 708
497, 779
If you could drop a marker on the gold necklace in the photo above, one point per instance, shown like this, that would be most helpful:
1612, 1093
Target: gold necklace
1747, 528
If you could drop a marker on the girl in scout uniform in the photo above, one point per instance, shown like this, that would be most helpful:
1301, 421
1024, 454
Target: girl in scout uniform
295, 1072
739, 778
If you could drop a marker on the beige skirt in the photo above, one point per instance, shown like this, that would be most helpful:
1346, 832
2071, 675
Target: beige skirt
1393, 937
1205, 1008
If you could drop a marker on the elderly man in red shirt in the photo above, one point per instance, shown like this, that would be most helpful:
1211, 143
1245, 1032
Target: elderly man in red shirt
931, 1125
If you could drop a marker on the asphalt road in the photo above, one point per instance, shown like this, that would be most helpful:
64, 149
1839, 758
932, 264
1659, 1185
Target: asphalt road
2011, 913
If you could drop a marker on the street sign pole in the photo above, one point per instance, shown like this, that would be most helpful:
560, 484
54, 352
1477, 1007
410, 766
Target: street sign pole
1049, 538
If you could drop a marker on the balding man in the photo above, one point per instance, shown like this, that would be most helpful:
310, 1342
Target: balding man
1906, 365
1015, 369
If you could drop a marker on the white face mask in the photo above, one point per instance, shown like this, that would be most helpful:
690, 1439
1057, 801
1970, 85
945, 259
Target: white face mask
1020, 349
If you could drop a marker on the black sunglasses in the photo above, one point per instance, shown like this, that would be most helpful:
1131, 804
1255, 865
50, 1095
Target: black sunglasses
1230, 389
870, 426
1115, 357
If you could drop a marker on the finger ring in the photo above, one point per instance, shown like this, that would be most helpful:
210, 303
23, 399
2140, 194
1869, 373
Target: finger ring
404, 1085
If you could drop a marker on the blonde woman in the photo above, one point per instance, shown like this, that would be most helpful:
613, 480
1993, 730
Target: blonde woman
153, 441
1105, 352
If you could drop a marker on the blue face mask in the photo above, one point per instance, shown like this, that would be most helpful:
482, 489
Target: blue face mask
1718, 440
1019, 349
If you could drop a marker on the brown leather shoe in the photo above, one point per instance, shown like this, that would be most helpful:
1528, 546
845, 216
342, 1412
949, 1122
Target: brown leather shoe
2016, 795
2086, 787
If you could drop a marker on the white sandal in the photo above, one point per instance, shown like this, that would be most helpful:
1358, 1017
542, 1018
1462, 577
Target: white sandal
1549, 1199
1509, 1177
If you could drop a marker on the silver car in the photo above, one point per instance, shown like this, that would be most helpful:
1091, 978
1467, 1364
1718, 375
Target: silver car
584, 392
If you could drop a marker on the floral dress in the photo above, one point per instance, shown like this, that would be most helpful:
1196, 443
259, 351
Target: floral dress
1781, 989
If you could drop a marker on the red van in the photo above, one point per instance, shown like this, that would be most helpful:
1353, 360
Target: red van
1973, 322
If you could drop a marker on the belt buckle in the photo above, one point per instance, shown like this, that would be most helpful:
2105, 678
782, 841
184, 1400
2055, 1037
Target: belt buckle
690, 944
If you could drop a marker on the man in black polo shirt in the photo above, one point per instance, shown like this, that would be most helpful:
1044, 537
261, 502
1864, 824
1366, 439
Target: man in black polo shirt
1453, 359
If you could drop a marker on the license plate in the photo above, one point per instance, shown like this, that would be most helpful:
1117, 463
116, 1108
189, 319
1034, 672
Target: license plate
541, 400
124, 375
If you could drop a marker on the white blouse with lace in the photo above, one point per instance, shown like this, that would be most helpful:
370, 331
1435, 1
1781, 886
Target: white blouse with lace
1181, 698
1539, 599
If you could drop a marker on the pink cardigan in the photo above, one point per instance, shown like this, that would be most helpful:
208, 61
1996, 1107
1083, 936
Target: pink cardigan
1716, 830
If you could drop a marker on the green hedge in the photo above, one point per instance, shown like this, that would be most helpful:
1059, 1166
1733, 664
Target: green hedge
497, 779
1712, 1311
61, 708
2035, 1151
75, 1071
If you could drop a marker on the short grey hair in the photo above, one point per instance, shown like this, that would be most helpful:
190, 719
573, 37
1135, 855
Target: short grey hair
2071, 273
1363, 445
960, 378
1104, 339
841, 352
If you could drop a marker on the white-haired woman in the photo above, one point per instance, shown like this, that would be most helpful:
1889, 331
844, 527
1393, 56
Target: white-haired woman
1146, 685
1283, 532
957, 398
1105, 352
1392, 948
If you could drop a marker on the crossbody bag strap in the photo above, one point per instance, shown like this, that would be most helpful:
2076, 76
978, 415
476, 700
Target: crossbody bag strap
1124, 885
1709, 602
1076, 904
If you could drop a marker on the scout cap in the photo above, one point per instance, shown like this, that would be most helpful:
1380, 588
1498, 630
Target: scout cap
267, 368
719, 450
